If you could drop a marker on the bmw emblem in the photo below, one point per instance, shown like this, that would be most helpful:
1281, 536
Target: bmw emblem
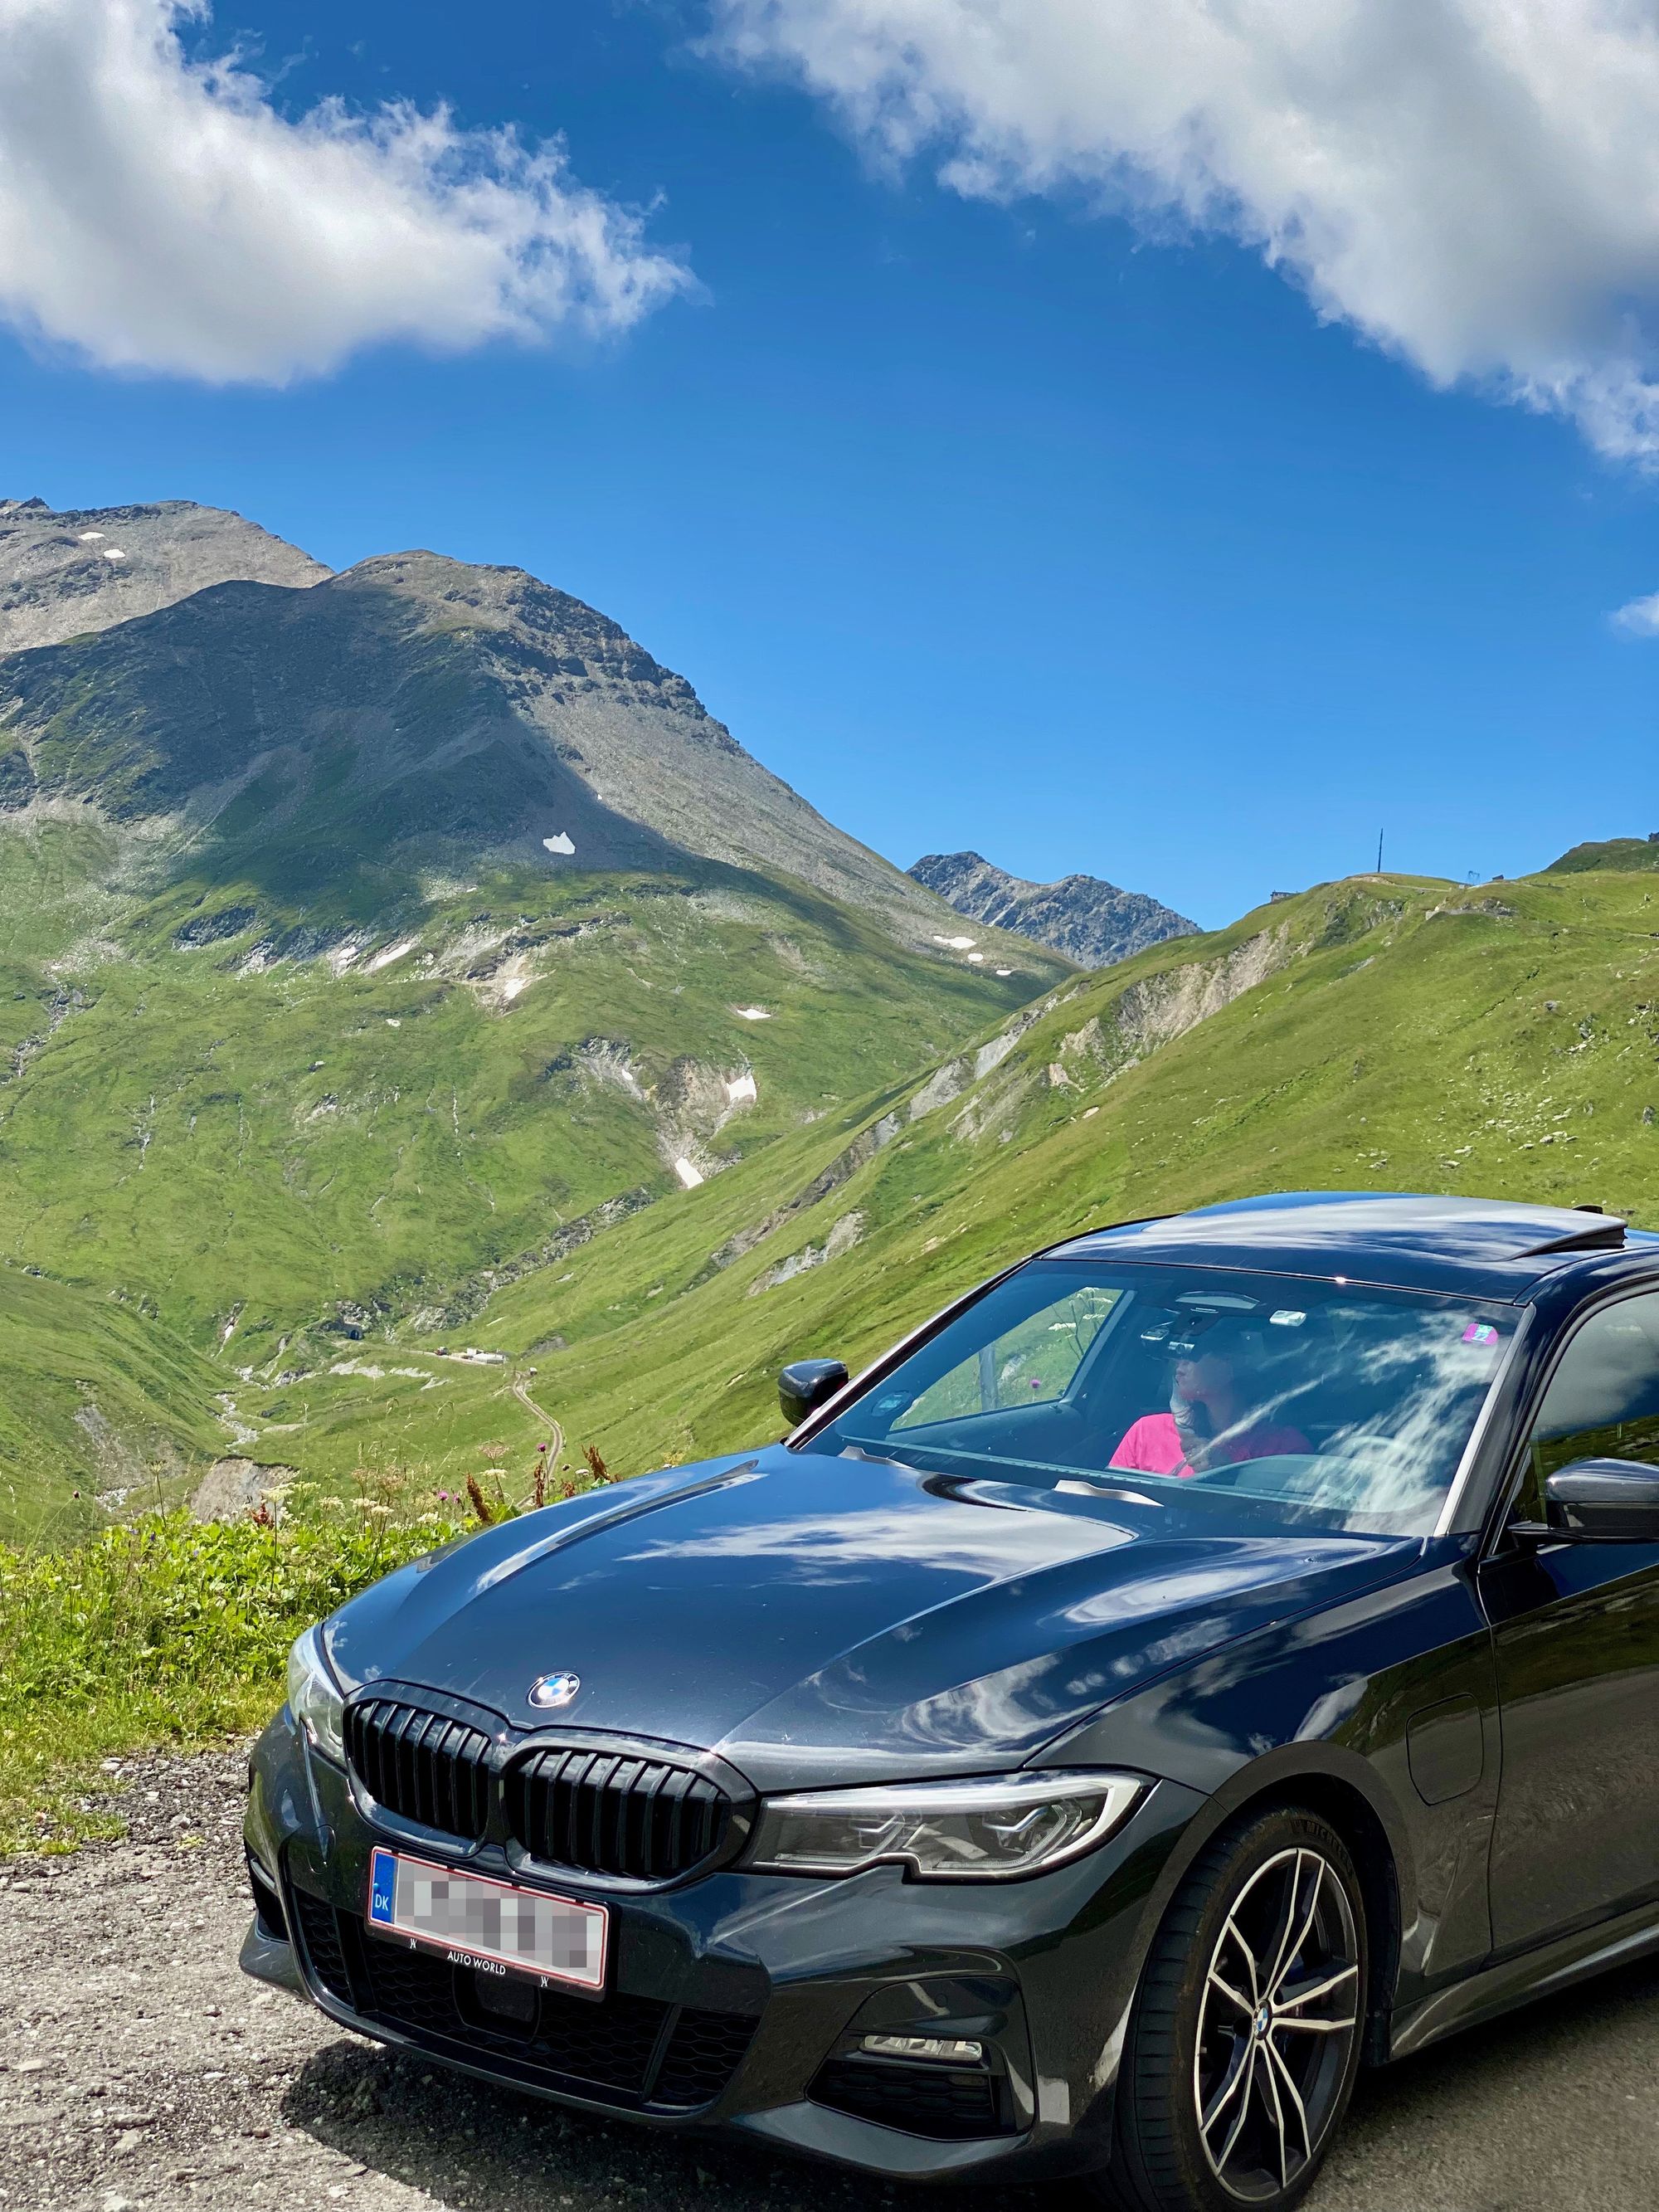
553, 1691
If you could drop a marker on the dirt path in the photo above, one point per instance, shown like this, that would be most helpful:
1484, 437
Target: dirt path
555, 1433
139, 2068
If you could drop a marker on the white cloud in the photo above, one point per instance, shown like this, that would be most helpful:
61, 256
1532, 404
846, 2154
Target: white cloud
1474, 184
1640, 618
157, 213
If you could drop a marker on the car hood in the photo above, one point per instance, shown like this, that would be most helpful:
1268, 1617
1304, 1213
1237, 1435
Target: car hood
819, 1619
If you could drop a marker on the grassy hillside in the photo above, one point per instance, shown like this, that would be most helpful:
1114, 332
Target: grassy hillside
1382, 1033
96, 1398
368, 947
261, 1126
1619, 854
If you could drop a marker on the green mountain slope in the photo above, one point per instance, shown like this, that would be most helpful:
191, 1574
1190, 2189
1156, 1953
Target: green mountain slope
404, 960
369, 942
1382, 1033
261, 1142
1612, 853
97, 1398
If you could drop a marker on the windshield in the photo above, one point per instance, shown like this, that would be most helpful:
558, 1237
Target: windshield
1230, 1401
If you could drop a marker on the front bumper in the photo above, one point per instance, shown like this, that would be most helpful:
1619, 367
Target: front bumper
737, 2002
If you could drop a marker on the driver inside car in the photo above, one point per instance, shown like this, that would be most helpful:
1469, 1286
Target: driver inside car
1211, 1420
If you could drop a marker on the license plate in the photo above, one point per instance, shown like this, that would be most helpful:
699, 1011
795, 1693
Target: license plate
477, 1922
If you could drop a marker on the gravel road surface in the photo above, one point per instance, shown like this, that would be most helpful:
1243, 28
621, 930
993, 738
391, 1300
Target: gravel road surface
139, 2068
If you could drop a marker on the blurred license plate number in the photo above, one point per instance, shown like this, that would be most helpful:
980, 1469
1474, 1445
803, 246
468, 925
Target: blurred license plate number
493, 1925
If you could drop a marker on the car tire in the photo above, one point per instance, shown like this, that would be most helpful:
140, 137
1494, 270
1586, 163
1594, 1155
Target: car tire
1229, 2093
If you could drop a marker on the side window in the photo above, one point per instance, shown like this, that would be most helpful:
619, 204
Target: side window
1603, 1399
1032, 1365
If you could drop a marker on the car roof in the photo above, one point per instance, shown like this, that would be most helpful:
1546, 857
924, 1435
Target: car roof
1489, 1247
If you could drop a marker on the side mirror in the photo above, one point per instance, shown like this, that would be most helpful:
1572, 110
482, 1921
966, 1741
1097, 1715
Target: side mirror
805, 1384
1607, 1501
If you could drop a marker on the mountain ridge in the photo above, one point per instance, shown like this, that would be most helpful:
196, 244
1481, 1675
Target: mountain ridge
456, 706
1082, 917
64, 572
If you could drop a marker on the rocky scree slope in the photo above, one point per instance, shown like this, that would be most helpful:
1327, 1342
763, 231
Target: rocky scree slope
1084, 918
63, 573
413, 707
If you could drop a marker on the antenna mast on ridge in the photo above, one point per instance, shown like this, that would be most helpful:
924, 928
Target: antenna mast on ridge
1379, 851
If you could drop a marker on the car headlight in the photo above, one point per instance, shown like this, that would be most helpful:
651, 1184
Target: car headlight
313, 1695
985, 1830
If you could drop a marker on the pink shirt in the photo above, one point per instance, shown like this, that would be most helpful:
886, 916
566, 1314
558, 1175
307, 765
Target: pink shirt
1152, 1446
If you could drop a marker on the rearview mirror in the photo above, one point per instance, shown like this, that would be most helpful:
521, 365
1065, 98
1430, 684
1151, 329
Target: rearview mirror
1609, 1501
805, 1383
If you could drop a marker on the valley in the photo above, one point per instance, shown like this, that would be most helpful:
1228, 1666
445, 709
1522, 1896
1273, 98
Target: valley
1378, 1033
370, 943
320, 1056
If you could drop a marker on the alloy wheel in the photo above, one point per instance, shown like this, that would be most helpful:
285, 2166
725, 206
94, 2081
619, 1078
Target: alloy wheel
1278, 2016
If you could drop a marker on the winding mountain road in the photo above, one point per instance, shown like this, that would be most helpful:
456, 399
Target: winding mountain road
555, 1431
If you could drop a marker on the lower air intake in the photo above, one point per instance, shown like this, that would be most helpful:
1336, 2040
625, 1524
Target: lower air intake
919, 2097
267, 1905
636, 2053
317, 1924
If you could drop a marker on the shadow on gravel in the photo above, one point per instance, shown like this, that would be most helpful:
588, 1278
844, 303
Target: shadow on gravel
466, 2143
1546, 2110
1558, 2037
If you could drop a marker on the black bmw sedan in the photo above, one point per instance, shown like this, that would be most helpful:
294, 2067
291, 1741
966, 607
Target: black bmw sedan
1219, 1653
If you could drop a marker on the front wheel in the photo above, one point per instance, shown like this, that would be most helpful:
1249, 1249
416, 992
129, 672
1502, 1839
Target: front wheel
1245, 2038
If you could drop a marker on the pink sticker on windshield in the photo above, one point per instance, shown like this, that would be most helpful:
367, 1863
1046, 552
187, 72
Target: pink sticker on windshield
1481, 1332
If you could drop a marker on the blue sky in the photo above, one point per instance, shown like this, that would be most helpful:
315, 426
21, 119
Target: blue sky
995, 523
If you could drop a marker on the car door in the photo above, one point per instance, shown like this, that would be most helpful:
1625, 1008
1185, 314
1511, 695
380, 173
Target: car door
1576, 1634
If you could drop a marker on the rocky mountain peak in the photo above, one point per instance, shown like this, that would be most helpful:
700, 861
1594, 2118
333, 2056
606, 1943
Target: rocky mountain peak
178, 665
1089, 920
66, 572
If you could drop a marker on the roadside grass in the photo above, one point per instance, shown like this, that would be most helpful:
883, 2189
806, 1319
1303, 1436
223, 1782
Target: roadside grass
170, 1634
